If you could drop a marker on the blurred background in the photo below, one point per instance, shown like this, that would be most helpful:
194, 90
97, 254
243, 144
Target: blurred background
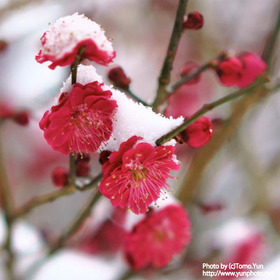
231, 187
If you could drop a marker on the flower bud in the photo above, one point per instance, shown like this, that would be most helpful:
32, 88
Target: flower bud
3, 45
118, 77
104, 157
83, 157
82, 169
240, 71
5, 111
21, 118
193, 21
253, 66
82, 165
229, 71
60, 177
198, 133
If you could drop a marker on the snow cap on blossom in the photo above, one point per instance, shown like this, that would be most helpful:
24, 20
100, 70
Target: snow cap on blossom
83, 117
130, 118
62, 42
240, 71
133, 118
156, 239
198, 133
136, 175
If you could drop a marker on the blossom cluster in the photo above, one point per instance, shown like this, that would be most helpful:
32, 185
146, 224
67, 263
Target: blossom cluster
92, 117
151, 242
241, 70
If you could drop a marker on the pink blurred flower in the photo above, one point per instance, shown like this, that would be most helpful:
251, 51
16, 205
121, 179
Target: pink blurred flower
188, 68
230, 71
136, 174
81, 120
5, 111
207, 208
253, 66
108, 239
248, 251
20, 117
184, 101
155, 240
240, 71
61, 43
198, 133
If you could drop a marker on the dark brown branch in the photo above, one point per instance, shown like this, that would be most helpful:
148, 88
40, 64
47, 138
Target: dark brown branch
75, 225
208, 107
164, 78
52, 196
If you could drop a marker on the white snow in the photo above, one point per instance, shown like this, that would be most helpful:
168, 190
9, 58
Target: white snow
131, 118
67, 32
71, 265
25, 239
85, 75
134, 118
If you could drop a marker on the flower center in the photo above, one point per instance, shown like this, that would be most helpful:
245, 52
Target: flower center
139, 174
159, 235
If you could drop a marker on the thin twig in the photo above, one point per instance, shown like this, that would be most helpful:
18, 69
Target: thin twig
74, 66
72, 168
127, 275
207, 153
134, 96
164, 78
208, 107
271, 43
52, 196
187, 78
7, 204
71, 229
198, 71
12, 6
75, 225
6, 196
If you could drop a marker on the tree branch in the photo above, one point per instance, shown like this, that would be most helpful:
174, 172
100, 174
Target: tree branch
74, 226
208, 107
271, 43
7, 205
187, 78
164, 78
52, 196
